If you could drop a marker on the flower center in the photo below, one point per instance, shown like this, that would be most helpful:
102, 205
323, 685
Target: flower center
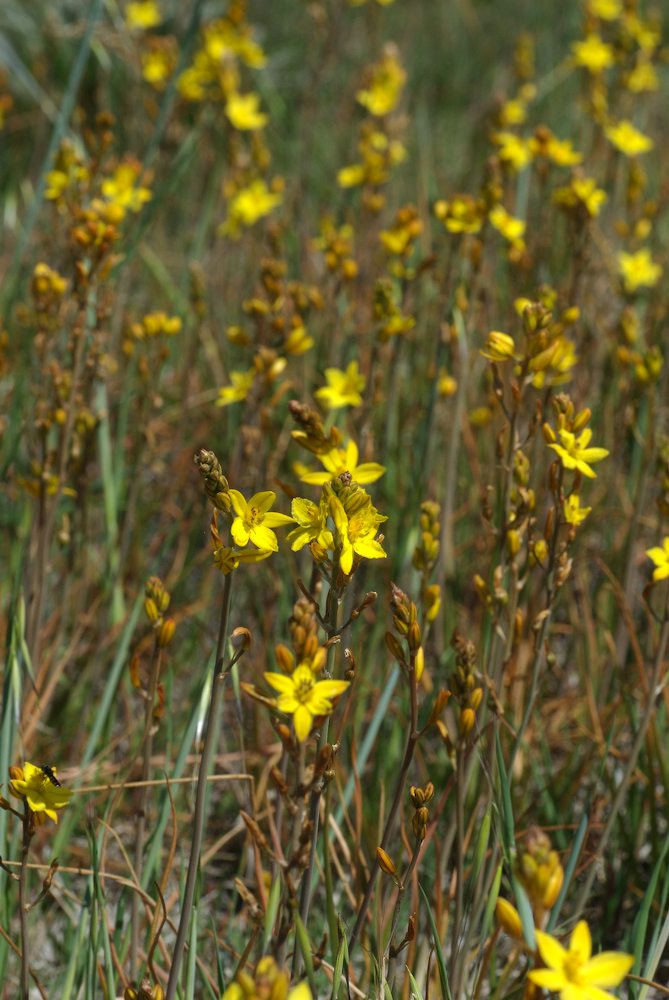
253, 516
304, 685
572, 969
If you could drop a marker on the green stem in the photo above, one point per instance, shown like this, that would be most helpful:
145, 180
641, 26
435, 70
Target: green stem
140, 830
332, 623
212, 734
630, 766
23, 907
412, 739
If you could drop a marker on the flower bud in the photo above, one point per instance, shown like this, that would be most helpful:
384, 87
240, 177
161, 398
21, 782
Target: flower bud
508, 918
240, 639
151, 609
166, 633
385, 862
498, 347
414, 637
467, 720
419, 663
394, 647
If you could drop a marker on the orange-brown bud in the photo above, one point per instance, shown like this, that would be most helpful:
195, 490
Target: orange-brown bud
241, 639
414, 637
385, 862
467, 720
508, 918
166, 633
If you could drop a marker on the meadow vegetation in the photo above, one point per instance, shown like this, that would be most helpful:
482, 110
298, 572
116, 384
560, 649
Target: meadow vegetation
334, 440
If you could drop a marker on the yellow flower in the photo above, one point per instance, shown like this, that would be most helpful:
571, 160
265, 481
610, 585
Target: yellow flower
573, 512
573, 973
268, 980
643, 77
239, 390
385, 87
351, 176
356, 532
157, 65
660, 556
498, 347
638, 270
249, 205
463, 214
40, 788
254, 520
558, 151
574, 452
303, 697
343, 388
581, 192
608, 10
121, 188
446, 384
243, 111
511, 228
298, 340
592, 53
342, 460
194, 81
311, 519
142, 15
513, 150
628, 139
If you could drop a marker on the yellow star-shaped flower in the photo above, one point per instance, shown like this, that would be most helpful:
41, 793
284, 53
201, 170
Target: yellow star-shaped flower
255, 520
573, 973
303, 697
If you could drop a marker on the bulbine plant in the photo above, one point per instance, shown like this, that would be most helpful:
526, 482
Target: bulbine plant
369, 700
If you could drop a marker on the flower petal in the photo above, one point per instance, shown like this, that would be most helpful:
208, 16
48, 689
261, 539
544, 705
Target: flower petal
298, 538
330, 689
368, 472
346, 557
273, 520
287, 703
262, 501
302, 720
316, 478
607, 969
580, 942
304, 511
263, 537
239, 532
280, 682
369, 548
548, 979
238, 502
300, 992
551, 950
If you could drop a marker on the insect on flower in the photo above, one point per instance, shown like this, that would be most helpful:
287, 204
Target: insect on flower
48, 772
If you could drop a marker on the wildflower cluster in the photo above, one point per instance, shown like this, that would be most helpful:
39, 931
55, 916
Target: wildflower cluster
380, 147
275, 328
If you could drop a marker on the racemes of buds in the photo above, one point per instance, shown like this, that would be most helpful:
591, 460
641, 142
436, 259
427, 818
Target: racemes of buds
215, 484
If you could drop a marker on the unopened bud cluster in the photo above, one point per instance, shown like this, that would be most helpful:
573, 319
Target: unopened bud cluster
405, 620
465, 688
156, 603
312, 435
425, 556
145, 991
215, 484
539, 870
420, 797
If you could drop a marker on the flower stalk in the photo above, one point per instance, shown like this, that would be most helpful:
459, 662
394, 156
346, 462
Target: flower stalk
212, 733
